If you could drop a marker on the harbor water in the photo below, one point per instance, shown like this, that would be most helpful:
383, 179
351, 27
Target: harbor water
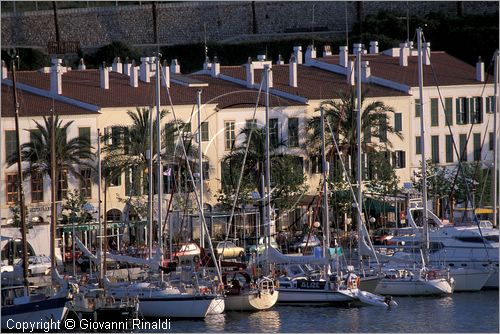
474, 312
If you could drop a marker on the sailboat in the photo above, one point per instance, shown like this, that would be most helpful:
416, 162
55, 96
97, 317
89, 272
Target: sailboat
19, 303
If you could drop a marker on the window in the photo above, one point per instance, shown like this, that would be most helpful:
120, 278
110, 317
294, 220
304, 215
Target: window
448, 110
435, 149
206, 170
84, 133
434, 112
115, 179
169, 137
293, 132
417, 107
316, 164
490, 104
36, 187
463, 147
476, 110
204, 131
10, 143
251, 123
132, 182
229, 135
399, 159
86, 183
398, 122
273, 132
462, 110
11, 188
476, 139
449, 148
418, 147
62, 185
382, 131
492, 142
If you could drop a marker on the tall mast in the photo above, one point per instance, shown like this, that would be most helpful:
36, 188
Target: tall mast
159, 171
200, 160
268, 160
425, 245
20, 190
150, 181
358, 151
53, 180
326, 220
99, 230
495, 145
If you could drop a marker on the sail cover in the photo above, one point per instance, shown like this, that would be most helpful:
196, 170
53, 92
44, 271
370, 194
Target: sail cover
275, 256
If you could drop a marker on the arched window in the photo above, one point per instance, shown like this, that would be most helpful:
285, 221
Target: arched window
113, 215
13, 250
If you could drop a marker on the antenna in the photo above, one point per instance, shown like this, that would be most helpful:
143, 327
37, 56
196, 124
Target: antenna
346, 26
205, 38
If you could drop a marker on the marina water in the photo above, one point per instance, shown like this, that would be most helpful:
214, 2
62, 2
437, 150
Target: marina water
471, 312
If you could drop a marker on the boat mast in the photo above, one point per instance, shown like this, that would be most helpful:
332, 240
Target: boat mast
425, 244
158, 156
20, 190
326, 220
200, 159
495, 145
358, 151
150, 183
268, 160
99, 182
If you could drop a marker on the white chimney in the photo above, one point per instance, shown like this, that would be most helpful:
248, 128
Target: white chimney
165, 75
249, 73
280, 60
215, 70
327, 50
403, 54
343, 52
134, 82
126, 67
270, 75
297, 50
175, 68
56, 77
145, 74
207, 64
357, 47
480, 70
293, 71
261, 57
373, 47
310, 53
365, 69
350, 73
104, 76
117, 65
427, 53
81, 65
4, 70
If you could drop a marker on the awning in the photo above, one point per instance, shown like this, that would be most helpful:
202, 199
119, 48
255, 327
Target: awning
377, 206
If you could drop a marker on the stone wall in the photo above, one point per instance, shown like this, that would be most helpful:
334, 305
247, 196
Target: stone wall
186, 22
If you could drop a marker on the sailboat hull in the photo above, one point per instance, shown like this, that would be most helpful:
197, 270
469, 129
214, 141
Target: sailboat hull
252, 301
176, 307
470, 279
406, 287
369, 283
313, 297
40, 311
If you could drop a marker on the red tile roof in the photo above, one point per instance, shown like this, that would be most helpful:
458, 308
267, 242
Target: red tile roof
447, 70
32, 105
84, 86
313, 83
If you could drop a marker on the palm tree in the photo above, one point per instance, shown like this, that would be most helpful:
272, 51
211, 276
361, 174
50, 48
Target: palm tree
287, 177
72, 156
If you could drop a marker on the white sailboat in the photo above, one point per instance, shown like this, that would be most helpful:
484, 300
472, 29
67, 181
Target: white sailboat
241, 294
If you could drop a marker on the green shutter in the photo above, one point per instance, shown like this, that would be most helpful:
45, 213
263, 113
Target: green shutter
449, 148
477, 146
434, 112
448, 111
418, 147
398, 122
463, 147
435, 149
417, 107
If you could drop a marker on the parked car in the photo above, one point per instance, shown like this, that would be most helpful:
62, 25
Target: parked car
38, 265
227, 249
184, 252
384, 236
300, 243
260, 246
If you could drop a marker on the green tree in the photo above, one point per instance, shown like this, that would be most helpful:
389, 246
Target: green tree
71, 155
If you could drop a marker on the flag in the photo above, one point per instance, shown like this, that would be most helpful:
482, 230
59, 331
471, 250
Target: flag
168, 172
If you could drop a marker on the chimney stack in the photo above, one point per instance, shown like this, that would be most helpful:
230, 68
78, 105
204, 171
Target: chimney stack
310, 53
126, 67
56, 77
145, 74
249, 73
175, 68
270, 75
4, 70
134, 82
350, 73
81, 65
117, 65
165, 75
403, 54
427, 53
327, 50
280, 60
343, 52
104, 76
373, 47
480, 70
365, 69
297, 50
215, 70
293, 71
357, 47
207, 64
